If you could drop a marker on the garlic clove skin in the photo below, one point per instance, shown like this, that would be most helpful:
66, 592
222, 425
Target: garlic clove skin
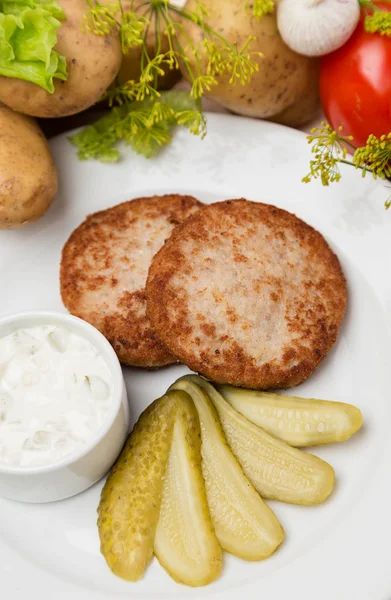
317, 27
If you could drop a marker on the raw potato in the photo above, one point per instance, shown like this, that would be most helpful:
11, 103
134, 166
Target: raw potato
245, 526
298, 421
129, 508
276, 470
28, 176
307, 107
130, 66
185, 541
285, 85
92, 63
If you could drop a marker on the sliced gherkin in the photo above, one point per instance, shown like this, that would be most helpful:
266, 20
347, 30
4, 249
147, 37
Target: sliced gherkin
185, 542
129, 507
298, 421
244, 524
276, 470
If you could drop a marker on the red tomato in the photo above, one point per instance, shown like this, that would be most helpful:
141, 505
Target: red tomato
355, 84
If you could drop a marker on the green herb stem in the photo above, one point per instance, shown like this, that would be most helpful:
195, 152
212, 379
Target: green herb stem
143, 116
188, 16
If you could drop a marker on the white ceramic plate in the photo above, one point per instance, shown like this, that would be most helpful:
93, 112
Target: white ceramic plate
338, 550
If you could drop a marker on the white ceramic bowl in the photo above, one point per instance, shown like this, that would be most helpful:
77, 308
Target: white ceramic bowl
82, 468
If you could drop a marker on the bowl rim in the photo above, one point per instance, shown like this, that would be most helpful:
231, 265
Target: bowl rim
118, 386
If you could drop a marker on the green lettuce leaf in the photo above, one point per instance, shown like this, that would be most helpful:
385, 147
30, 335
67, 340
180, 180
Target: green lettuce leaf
28, 34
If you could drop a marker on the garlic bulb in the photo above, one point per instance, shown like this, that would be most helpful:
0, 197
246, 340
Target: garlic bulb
317, 27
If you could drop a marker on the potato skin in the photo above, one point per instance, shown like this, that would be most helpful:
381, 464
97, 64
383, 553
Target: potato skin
306, 107
284, 77
92, 62
28, 176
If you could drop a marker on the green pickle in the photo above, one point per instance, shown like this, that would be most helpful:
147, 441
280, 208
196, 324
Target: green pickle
130, 502
192, 475
245, 526
185, 543
276, 470
297, 421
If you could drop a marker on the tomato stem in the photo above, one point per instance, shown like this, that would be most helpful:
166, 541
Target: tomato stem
367, 4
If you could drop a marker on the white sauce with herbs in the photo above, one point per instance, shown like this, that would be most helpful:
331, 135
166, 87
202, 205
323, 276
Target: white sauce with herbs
55, 392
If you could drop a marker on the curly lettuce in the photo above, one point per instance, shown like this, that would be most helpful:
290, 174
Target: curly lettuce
28, 34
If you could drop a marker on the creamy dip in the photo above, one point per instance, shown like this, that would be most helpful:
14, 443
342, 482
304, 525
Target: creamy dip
55, 393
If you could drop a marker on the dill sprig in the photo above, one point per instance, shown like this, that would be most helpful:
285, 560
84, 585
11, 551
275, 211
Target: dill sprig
201, 84
262, 7
379, 22
100, 19
330, 149
145, 126
131, 30
375, 157
376, 20
241, 63
141, 115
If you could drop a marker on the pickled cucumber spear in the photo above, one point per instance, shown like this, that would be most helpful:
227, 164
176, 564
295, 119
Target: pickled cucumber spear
185, 541
129, 508
155, 498
244, 524
298, 421
275, 469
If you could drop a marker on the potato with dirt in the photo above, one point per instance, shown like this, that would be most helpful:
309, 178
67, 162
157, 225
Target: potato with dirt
28, 177
92, 63
285, 88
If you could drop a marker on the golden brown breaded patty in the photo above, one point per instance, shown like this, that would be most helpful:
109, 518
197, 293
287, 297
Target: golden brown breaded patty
247, 294
104, 268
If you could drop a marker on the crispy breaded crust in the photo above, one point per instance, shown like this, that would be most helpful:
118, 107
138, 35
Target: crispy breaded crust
104, 267
247, 294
